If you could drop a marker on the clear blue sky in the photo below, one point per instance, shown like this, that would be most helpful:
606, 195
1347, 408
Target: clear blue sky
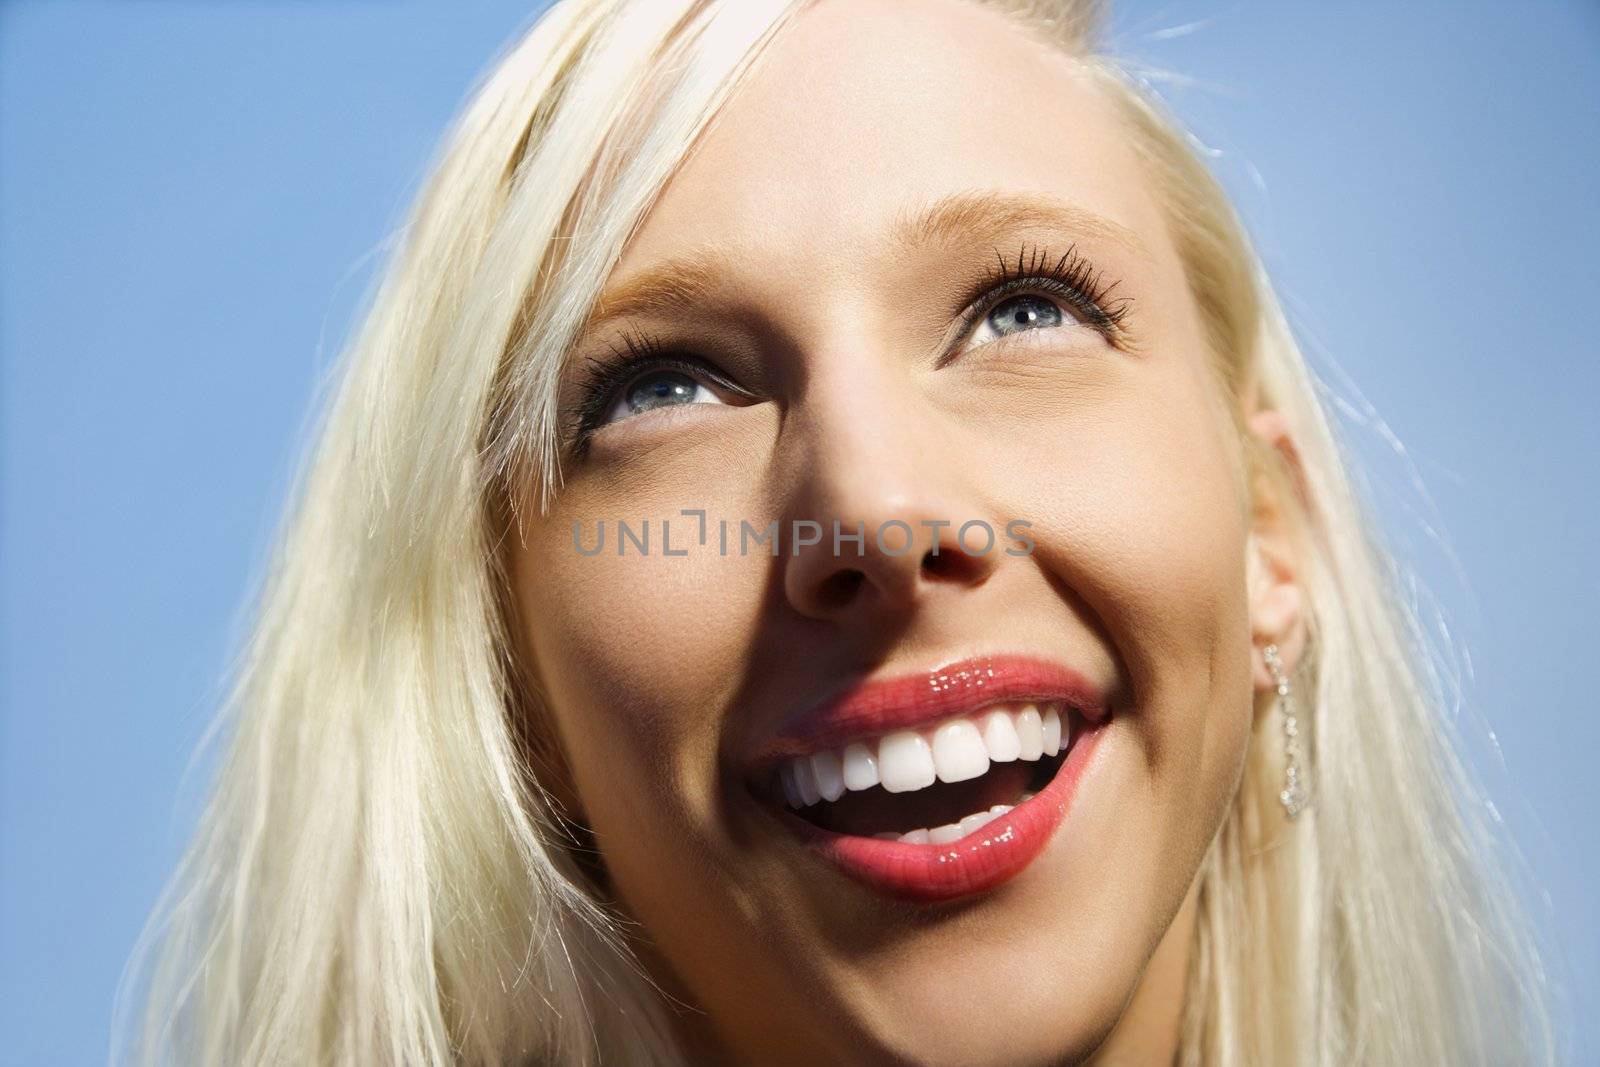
190, 194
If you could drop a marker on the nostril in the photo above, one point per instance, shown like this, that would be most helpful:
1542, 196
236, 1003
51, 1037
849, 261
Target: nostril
952, 564
840, 588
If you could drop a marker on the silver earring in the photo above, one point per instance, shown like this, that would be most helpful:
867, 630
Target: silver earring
1294, 797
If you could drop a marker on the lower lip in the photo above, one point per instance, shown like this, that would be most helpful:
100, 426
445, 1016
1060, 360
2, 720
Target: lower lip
977, 863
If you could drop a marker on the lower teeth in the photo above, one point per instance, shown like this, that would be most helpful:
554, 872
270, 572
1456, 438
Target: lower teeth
943, 835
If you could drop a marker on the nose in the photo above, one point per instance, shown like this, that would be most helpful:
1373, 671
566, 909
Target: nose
884, 512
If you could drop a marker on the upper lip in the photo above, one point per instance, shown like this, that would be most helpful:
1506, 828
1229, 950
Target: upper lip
877, 706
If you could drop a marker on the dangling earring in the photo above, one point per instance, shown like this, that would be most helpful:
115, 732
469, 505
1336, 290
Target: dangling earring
1294, 797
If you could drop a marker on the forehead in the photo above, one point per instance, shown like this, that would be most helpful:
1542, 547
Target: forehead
865, 112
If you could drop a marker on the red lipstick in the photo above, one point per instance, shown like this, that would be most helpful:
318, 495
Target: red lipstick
977, 863
944, 704
911, 700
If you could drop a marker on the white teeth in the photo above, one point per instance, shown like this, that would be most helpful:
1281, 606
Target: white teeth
791, 791
905, 762
860, 767
955, 831
1030, 731
830, 776
955, 750
806, 781
975, 822
959, 753
949, 831
1052, 731
1000, 737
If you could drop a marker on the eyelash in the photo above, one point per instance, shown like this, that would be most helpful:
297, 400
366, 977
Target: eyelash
605, 379
1070, 278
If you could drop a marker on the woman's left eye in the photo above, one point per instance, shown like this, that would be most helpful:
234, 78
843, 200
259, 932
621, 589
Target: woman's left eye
1016, 314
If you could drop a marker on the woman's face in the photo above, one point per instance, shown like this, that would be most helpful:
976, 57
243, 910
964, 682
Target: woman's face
914, 274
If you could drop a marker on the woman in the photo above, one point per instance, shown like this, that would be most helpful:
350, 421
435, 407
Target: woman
825, 551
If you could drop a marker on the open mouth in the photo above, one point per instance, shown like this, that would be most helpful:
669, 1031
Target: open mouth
931, 786
936, 784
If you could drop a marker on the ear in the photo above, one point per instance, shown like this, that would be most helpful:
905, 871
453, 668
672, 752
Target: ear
1277, 599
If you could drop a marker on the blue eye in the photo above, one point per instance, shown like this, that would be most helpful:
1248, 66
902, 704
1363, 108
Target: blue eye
1027, 312
1017, 314
658, 388
1035, 290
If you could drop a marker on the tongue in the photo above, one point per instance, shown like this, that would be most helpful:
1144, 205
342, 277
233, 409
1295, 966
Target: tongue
874, 810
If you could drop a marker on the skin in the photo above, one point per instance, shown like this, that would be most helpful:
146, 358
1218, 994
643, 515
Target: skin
661, 673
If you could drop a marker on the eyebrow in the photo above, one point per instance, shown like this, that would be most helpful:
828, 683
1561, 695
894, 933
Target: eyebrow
689, 281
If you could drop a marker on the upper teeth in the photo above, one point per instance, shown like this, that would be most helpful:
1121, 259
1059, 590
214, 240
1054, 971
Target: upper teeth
952, 751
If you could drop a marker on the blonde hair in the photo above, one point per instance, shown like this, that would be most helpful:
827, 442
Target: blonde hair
378, 876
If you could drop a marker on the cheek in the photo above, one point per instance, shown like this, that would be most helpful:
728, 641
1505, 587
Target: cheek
1139, 515
635, 653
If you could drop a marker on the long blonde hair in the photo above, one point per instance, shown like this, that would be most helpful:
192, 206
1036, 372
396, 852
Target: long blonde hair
378, 876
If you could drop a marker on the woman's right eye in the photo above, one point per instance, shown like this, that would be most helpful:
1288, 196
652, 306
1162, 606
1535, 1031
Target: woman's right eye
660, 387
